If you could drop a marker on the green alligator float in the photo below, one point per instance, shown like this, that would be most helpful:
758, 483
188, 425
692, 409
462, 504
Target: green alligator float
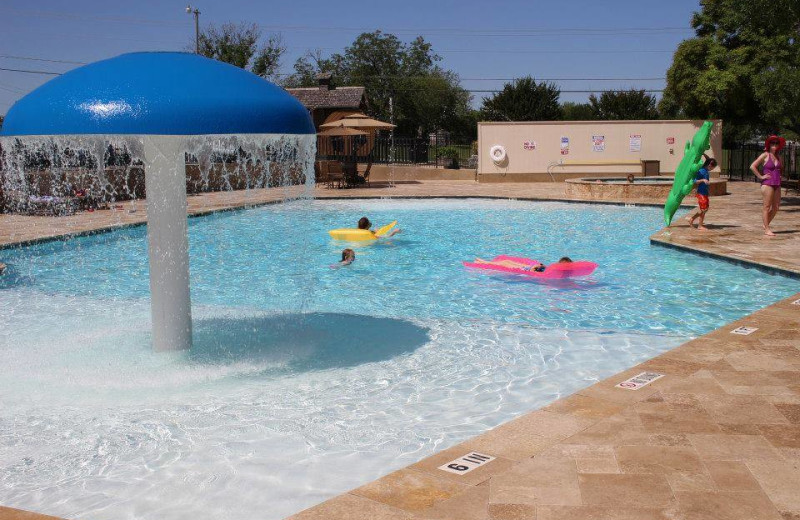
686, 173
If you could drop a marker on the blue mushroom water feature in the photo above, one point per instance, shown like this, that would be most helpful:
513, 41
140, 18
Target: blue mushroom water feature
160, 106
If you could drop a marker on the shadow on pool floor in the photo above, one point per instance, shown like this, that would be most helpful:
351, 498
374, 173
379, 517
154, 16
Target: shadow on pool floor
304, 342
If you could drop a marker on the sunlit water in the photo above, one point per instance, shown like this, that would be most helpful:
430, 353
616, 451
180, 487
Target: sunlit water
306, 381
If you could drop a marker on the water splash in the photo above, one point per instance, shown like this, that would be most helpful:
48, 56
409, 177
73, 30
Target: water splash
110, 168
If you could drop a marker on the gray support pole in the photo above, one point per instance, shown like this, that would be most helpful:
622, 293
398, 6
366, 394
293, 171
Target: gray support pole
168, 242
196, 31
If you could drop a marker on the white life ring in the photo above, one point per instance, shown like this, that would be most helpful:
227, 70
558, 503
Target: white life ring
498, 153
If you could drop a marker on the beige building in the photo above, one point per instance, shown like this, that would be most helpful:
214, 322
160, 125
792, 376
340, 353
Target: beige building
557, 150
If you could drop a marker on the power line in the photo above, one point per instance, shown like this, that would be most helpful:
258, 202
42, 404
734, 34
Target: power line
548, 31
567, 79
412, 77
566, 31
30, 58
85, 36
47, 72
11, 88
659, 78
494, 91
512, 51
75, 16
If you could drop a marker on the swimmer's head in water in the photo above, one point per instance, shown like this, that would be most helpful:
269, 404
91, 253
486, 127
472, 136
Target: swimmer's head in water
565, 260
348, 255
364, 223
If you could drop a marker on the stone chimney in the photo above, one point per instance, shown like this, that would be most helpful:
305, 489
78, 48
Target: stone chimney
325, 80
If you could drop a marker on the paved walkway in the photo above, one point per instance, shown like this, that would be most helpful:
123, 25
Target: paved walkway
717, 437
735, 230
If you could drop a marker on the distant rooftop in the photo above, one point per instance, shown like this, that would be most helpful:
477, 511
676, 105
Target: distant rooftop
327, 95
341, 97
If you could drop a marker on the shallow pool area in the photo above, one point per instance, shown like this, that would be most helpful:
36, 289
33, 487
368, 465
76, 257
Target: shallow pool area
306, 381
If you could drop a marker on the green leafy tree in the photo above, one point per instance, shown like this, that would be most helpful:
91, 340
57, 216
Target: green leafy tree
624, 105
777, 90
431, 101
241, 45
572, 111
307, 67
740, 50
376, 61
424, 96
523, 100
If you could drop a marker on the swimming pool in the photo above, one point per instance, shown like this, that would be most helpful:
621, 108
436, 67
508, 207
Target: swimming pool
306, 381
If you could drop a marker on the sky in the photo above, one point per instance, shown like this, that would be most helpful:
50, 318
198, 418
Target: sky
579, 45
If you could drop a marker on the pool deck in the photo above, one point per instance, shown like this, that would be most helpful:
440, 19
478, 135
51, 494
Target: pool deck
717, 437
22, 230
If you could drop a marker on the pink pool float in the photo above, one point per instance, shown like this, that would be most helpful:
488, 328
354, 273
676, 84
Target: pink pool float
525, 267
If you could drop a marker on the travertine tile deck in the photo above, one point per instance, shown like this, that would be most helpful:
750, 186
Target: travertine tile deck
736, 232
718, 437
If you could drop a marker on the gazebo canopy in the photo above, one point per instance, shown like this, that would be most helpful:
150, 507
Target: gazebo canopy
341, 131
358, 120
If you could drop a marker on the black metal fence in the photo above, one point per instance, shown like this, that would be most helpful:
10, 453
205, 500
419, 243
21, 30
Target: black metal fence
400, 150
736, 161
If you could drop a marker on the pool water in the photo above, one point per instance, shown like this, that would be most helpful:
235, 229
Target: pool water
306, 381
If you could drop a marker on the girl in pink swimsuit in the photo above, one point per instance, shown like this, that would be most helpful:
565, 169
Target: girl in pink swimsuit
770, 178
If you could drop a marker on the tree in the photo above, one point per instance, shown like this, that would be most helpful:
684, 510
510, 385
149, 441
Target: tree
777, 90
307, 67
726, 71
572, 111
238, 44
430, 101
425, 97
624, 105
523, 100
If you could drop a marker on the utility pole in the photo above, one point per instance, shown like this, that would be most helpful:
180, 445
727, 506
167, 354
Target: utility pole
391, 142
196, 13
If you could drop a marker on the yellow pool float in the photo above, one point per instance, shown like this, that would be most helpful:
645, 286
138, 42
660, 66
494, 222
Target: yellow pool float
360, 235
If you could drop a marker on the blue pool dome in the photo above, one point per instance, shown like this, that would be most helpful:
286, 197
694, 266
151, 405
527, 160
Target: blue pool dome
158, 93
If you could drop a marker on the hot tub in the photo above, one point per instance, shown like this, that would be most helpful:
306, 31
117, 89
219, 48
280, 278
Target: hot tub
618, 188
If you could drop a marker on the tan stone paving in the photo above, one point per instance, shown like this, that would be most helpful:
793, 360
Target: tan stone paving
713, 439
718, 437
735, 230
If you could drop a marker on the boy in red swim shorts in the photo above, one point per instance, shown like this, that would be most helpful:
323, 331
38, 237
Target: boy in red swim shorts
702, 181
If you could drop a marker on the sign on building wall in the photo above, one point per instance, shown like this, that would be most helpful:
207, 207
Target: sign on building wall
564, 145
636, 142
598, 143
670, 140
529, 145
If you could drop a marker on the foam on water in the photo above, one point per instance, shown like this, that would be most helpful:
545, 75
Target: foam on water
307, 381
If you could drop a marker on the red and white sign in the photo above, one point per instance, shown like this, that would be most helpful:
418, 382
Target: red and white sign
529, 145
670, 140
637, 382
